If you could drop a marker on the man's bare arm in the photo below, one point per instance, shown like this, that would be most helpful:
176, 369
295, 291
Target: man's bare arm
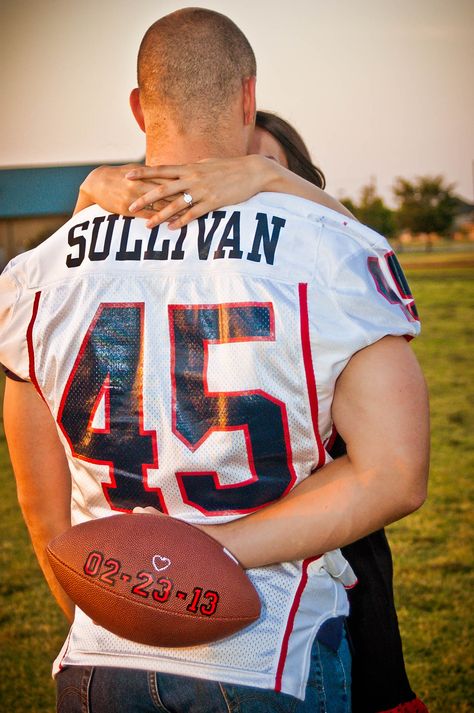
381, 410
42, 474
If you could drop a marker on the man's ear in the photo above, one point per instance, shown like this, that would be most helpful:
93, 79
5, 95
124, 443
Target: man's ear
249, 103
136, 108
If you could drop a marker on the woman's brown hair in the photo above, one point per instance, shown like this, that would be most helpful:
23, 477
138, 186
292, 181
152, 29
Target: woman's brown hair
296, 152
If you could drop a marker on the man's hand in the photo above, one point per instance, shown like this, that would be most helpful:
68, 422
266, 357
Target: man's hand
147, 511
42, 474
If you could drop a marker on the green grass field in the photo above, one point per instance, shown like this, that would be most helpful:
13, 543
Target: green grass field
432, 549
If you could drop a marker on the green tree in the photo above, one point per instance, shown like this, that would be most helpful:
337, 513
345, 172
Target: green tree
372, 211
350, 205
426, 205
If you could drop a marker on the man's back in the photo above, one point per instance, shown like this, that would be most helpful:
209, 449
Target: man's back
194, 372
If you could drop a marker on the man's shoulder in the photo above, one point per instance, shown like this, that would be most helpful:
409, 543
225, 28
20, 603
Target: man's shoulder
338, 232
346, 236
292, 206
336, 225
26, 267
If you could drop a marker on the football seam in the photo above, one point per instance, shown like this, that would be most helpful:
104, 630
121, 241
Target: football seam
144, 603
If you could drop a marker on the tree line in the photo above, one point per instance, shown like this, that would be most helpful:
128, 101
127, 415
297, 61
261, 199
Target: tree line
425, 205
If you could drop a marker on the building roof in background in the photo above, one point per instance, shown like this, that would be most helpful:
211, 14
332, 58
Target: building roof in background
45, 190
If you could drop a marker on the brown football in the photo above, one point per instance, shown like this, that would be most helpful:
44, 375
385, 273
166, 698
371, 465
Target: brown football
154, 580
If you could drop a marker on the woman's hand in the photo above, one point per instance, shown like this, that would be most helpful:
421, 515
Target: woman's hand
109, 187
156, 193
212, 183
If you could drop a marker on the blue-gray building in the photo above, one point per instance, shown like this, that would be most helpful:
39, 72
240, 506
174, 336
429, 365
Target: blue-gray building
34, 202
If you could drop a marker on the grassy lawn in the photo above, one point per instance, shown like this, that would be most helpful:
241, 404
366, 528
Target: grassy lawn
31, 626
432, 549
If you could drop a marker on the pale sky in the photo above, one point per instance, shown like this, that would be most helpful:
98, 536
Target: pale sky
376, 87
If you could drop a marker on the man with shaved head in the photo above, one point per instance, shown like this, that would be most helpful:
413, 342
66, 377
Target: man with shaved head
191, 65
199, 374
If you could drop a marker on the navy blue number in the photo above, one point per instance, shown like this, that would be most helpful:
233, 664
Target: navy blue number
197, 412
381, 282
108, 371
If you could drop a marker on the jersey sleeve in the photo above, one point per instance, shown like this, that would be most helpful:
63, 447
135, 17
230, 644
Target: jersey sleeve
369, 290
16, 306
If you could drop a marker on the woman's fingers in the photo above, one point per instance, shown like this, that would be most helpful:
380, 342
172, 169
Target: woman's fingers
150, 172
186, 217
194, 189
174, 209
147, 214
158, 193
180, 217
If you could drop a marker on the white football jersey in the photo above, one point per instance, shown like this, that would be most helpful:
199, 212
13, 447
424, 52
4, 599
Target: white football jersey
194, 371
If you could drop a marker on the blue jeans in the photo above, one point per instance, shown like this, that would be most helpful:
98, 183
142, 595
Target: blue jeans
117, 690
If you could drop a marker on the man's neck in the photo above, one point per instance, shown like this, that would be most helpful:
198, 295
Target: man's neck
179, 148
181, 153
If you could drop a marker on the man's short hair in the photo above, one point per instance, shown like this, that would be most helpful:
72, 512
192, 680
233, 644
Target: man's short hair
191, 64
